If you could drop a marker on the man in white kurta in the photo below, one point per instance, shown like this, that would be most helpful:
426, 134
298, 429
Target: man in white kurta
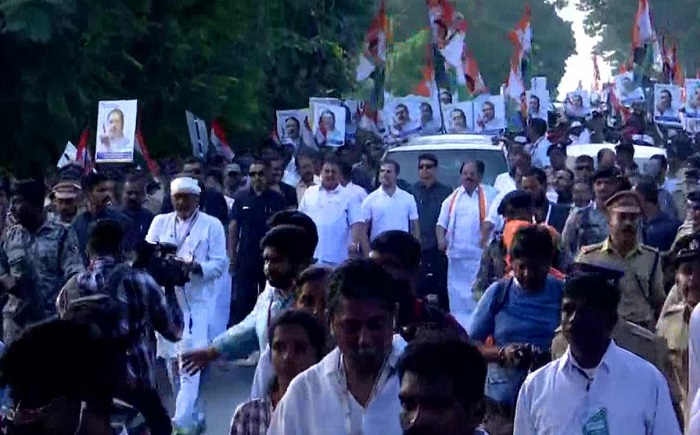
459, 235
201, 243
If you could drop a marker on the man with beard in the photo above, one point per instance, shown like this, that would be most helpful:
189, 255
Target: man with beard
554, 215
37, 257
573, 394
65, 201
98, 187
641, 286
134, 194
234, 179
275, 182
589, 225
355, 388
304, 162
583, 167
563, 187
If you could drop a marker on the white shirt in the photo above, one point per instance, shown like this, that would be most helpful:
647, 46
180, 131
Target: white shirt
538, 151
385, 213
504, 183
318, 402
358, 191
333, 212
558, 399
463, 222
492, 215
264, 375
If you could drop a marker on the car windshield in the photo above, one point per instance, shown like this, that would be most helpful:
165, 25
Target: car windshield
449, 163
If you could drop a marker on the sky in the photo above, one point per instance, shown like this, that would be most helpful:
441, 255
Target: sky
580, 65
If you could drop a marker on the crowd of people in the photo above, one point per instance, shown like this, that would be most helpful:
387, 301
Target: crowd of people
559, 300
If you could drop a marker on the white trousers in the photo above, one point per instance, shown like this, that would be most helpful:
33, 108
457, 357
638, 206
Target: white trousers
461, 275
220, 305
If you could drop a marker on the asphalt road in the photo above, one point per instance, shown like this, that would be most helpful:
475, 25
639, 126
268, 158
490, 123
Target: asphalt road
223, 391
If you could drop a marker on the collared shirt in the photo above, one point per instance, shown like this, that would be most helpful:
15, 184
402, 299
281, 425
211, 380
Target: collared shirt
318, 401
461, 217
142, 307
251, 333
641, 288
333, 212
386, 212
357, 190
85, 221
667, 204
252, 417
211, 202
429, 201
660, 231
538, 151
302, 186
504, 183
560, 399
142, 218
42, 261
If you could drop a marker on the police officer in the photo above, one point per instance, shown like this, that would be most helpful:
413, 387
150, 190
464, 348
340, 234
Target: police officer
629, 336
641, 287
37, 256
692, 219
681, 191
589, 225
64, 196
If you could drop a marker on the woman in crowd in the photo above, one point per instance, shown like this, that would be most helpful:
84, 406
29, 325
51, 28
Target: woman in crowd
297, 341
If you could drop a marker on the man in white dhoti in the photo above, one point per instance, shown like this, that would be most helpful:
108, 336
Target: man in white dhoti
201, 245
459, 233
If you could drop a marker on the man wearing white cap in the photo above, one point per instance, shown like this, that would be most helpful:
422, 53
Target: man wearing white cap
201, 246
578, 134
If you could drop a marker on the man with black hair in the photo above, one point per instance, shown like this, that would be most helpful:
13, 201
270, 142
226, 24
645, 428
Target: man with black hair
544, 211
573, 393
441, 389
658, 228
354, 389
134, 195
563, 187
346, 180
539, 144
276, 184
691, 175
583, 167
141, 308
400, 255
97, 188
304, 164
37, 256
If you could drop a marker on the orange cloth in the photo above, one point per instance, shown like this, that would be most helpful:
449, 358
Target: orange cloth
509, 231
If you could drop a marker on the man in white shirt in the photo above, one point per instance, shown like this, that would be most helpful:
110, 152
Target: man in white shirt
578, 134
345, 176
539, 144
354, 389
458, 232
596, 387
201, 243
388, 207
337, 215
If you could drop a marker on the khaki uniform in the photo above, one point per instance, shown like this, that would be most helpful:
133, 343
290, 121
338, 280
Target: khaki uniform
673, 327
683, 231
641, 288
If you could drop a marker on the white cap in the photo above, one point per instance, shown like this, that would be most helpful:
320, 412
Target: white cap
185, 185
643, 139
576, 124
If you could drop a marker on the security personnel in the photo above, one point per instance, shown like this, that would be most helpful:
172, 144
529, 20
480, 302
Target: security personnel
681, 191
641, 287
64, 196
588, 225
692, 220
629, 336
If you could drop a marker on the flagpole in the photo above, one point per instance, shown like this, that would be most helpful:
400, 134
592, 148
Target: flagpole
431, 59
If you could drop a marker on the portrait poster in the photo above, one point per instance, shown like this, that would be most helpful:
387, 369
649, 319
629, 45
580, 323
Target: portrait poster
116, 128
403, 115
292, 126
199, 136
329, 123
489, 114
626, 90
459, 118
667, 104
320, 100
538, 103
692, 98
578, 105
352, 118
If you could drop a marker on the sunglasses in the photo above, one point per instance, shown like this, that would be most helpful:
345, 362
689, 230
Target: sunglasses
256, 174
426, 166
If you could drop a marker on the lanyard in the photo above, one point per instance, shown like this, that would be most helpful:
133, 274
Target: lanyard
382, 377
179, 242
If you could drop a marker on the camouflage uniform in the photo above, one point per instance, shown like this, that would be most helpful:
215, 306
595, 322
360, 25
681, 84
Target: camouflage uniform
585, 226
41, 263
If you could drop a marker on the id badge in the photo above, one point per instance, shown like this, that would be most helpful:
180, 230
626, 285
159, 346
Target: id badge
597, 423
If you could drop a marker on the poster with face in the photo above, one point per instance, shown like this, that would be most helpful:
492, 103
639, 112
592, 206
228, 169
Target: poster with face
692, 95
291, 125
404, 117
577, 104
537, 103
352, 118
320, 100
626, 90
489, 114
116, 128
667, 104
330, 125
459, 118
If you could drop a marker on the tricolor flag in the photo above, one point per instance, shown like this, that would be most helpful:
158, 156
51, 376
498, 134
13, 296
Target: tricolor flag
218, 140
374, 54
516, 87
83, 157
70, 154
474, 82
142, 153
427, 83
521, 36
642, 32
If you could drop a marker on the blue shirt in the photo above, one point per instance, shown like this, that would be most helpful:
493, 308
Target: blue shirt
520, 317
660, 231
85, 221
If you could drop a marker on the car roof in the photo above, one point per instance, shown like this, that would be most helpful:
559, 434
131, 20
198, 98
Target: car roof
640, 151
449, 142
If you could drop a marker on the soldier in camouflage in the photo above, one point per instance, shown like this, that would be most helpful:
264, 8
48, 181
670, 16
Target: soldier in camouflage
588, 225
37, 256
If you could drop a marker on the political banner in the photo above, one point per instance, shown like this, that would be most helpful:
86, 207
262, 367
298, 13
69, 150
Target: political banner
489, 114
692, 98
329, 123
198, 135
116, 129
667, 104
459, 118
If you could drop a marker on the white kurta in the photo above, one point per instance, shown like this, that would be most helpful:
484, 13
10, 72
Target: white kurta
201, 238
463, 226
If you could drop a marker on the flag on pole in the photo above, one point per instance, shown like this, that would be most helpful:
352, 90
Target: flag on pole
521, 36
516, 87
374, 54
474, 82
83, 157
642, 32
142, 153
218, 140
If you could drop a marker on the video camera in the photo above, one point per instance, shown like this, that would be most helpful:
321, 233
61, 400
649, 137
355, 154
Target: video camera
161, 262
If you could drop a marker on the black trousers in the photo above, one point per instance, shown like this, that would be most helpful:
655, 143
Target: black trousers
433, 276
147, 402
249, 282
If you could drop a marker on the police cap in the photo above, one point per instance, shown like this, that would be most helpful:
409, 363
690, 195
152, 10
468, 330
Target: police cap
605, 173
625, 201
691, 250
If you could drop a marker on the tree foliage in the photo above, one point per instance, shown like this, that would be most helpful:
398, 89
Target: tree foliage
679, 20
488, 25
238, 60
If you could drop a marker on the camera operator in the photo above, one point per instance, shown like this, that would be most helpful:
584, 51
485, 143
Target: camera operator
132, 307
200, 247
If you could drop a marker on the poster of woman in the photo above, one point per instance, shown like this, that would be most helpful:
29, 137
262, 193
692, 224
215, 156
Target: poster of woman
116, 128
692, 92
330, 125
459, 118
